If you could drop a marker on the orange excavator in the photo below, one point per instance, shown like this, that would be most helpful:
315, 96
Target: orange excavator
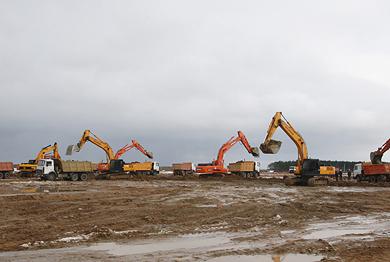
376, 156
128, 147
217, 166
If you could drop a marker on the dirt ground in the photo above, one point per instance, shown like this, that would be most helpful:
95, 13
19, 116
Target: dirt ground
166, 218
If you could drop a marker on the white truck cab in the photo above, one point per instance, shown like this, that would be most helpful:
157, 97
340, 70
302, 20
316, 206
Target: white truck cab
45, 167
156, 166
357, 169
257, 166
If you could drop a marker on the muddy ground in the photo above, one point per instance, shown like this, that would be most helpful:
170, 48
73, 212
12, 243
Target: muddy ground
192, 219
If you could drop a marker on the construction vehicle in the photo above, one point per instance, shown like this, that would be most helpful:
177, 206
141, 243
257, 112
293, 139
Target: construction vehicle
245, 168
376, 171
6, 169
135, 168
128, 147
94, 139
54, 169
216, 168
141, 168
308, 171
183, 169
30, 167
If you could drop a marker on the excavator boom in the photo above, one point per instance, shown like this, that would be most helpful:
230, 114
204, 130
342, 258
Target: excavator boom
128, 147
46, 150
89, 136
376, 156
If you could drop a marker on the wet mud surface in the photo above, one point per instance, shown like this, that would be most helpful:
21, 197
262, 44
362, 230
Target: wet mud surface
152, 219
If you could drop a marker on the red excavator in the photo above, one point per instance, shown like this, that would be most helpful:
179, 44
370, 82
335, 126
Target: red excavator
128, 147
376, 156
217, 168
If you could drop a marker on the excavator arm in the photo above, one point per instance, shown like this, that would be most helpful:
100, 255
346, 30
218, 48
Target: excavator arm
230, 143
44, 151
376, 156
128, 147
270, 146
89, 136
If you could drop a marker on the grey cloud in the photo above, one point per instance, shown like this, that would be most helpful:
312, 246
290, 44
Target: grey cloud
183, 76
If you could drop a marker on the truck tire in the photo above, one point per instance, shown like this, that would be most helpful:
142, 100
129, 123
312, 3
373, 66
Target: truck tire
51, 176
381, 179
74, 177
6, 175
2, 175
83, 177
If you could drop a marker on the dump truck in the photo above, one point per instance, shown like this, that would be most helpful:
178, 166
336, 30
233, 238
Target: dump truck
245, 168
141, 168
6, 169
183, 169
55, 169
372, 172
376, 171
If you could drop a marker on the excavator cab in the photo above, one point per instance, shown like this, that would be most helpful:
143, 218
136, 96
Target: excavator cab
311, 167
116, 165
271, 147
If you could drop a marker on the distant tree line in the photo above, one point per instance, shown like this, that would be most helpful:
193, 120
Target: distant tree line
282, 166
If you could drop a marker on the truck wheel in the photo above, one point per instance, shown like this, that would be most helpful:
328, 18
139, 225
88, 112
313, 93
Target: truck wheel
2, 176
74, 177
83, 177
6, 175
381, 178
51, 177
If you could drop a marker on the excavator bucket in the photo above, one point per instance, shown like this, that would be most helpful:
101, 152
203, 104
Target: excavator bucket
376, 158
69, 150
255, 151
272, 147
149, 154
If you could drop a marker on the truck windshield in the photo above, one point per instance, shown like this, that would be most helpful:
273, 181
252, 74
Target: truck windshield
41, 163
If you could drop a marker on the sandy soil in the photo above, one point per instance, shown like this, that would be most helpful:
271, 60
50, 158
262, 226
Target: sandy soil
192, 219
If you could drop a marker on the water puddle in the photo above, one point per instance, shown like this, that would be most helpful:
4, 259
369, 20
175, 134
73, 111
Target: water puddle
357, 227
193, 242
190, 241
270, 258
357, 189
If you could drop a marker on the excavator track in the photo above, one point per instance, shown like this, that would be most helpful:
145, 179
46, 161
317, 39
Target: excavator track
317, 181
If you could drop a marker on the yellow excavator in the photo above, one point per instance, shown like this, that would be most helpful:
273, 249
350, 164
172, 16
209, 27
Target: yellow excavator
308, 172
30, 167
94, 139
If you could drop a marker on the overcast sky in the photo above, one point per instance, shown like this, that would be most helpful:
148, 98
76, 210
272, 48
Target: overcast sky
182, 77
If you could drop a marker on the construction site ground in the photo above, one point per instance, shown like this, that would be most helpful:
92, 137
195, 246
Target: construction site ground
167, 218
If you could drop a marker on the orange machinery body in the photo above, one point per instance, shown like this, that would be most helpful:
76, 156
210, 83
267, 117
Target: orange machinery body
217, 166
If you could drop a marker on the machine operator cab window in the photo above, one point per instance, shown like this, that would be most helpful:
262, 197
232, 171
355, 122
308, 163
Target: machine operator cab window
311, 165
48, 163
41, 163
